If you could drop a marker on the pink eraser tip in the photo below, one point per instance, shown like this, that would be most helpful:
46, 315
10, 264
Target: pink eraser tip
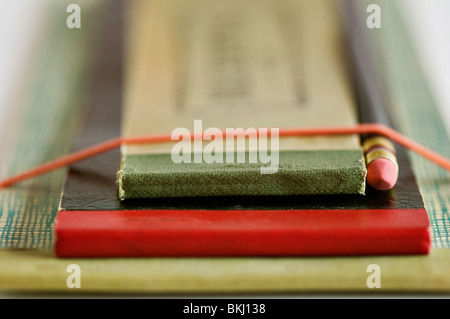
382, 174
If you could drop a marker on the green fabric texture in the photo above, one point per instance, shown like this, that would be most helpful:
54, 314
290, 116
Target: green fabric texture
43, 118
299, 173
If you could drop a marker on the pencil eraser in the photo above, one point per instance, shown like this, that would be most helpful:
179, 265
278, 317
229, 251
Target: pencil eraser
382, 174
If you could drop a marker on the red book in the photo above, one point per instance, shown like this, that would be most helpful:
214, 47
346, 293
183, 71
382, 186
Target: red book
178, 233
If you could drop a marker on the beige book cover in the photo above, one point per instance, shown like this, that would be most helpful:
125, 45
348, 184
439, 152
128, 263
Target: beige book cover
237, 64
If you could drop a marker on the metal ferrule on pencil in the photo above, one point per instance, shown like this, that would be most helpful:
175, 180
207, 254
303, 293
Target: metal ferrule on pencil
379, 147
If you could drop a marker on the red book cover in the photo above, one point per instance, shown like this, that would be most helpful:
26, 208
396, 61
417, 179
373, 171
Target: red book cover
193, 233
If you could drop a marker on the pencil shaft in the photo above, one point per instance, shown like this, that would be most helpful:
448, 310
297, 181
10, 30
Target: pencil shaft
371, 102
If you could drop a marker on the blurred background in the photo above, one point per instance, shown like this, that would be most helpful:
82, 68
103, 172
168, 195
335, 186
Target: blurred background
429, 25
21, 22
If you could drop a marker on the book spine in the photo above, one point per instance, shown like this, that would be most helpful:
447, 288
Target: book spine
183, 233
157, 176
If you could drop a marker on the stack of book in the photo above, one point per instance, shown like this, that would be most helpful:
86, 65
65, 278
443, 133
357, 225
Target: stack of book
189, 66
